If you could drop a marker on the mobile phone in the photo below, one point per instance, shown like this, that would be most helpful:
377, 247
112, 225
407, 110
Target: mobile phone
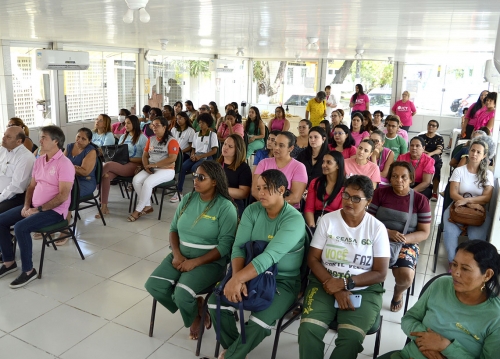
355, 300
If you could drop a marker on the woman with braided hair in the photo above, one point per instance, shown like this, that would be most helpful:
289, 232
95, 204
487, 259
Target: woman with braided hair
201, 236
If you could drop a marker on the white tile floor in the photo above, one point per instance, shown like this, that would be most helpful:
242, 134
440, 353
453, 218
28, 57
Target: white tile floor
98, 308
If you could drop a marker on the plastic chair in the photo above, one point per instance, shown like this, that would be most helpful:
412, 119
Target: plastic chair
91, 199
62, 227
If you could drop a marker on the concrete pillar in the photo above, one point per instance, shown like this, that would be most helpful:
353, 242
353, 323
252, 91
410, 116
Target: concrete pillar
142, 75
7, 109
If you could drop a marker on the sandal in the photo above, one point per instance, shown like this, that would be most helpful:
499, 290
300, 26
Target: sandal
396, 305
147, 211
104, 213
131, 218
62, 242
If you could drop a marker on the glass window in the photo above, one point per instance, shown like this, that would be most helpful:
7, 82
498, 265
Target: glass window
31, 88
108, 85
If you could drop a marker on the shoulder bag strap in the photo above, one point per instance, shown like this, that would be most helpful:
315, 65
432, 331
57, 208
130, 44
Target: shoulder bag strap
410, 211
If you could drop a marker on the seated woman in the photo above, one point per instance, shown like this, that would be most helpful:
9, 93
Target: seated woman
358, 132
118, 128
368, 122
204, 147
312, 156
458, 316
423, 165
102, 134
229, 126
343, 141
382, 156
391, 205
491, 154
238, 173
471, 184
267, 152
158, 162
434, 145
270, 219
28, 143
302, 140
256, 130
349, 254
183, 132
361, 165
201, 237
325, 125
324, 193
337, 118
465, 149
136, 141
378, 117
294, 171
279, 122
486, 115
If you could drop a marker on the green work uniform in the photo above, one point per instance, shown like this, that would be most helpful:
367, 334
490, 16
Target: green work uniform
199, 232
286, 235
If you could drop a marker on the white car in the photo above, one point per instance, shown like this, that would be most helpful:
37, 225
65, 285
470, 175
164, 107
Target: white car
380, 100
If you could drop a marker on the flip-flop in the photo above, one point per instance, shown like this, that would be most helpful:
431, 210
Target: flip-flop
396, 305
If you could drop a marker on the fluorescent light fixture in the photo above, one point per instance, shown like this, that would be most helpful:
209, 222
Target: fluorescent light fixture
206, 42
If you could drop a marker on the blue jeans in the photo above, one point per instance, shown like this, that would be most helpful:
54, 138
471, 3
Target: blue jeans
187, 166
22, 229
451, 233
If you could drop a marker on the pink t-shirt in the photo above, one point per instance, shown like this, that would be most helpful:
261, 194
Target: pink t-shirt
483, 116
369, 170
358, 137
404, 110
361, 101
223, 130
294, 171
116, 131
424, 165
314, 204
47, 176
346, 152
472, 121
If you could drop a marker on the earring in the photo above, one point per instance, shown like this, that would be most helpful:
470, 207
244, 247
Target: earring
483, 287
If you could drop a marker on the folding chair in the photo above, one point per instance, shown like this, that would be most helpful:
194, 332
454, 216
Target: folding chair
446, 203
91, 199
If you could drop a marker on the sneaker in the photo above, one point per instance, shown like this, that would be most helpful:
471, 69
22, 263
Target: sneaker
4, 270
24, 279
434, 197
175, 198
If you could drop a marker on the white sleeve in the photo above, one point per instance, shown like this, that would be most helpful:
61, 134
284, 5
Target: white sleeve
214, 141
21, 177
456, 175
491, 181
191, 136
381, 246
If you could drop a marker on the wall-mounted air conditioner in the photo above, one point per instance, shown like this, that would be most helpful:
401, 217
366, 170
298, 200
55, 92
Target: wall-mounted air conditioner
218, 65
62, 60
491, 74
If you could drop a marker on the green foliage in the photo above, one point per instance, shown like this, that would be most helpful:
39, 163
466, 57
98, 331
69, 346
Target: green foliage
194, 67
258, 73
374, 74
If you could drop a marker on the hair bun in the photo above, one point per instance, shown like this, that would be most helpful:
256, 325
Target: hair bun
287, 193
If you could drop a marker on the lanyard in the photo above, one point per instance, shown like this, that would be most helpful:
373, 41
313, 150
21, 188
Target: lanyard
418, 163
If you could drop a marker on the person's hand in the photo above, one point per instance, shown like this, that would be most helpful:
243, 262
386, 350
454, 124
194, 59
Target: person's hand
430, 340
234, 290
395, 236
176, 262
193, 157
24, 212
334, 285
344, 300
188, 265
148, 168
228, 123
251, 139
461, 202
432, 354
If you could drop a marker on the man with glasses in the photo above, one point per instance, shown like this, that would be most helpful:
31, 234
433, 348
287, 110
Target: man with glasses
393, 141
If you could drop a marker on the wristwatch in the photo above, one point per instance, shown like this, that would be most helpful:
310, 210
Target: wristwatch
39, 208
349, 284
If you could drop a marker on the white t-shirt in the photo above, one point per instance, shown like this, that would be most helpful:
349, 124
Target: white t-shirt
330, 100
350, 251
202, 144
184, 138
468, 181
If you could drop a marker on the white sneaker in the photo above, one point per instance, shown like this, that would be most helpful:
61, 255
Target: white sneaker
175, 198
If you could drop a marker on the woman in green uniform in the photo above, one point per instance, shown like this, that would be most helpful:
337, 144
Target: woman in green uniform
201, 237
273, 220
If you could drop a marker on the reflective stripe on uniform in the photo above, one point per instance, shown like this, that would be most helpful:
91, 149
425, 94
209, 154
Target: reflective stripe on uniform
352, 327
187, 289
214, 306
198, 246
169, 280
260, 322
314, 321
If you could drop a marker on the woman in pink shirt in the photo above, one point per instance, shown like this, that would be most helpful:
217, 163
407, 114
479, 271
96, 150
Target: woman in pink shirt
343, 141
279, 122
470, 116
405, 109
118, 128
357, 130
486, 115
229, 126
359, 101
361, 165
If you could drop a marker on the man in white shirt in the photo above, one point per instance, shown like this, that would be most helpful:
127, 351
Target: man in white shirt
16, 164
331, 102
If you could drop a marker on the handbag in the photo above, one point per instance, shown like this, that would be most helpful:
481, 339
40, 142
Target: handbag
116, 153
396, 246
467, 215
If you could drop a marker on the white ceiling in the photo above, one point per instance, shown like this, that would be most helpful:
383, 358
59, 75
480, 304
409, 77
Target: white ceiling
416, 31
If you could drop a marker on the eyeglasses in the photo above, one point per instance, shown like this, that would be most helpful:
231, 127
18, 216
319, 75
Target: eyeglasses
200, 177
432, 125
338, 133
354, 199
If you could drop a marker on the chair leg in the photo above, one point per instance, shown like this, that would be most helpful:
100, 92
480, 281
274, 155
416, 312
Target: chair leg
44, 242
376, 349
407, 300
161, 203
152, 322
217, 349
204, 313
413, 284
73, 236
436, 248
277, 339
121, 189
131, 200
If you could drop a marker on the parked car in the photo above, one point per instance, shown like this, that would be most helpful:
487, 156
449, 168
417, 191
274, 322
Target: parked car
380, 100
299, 100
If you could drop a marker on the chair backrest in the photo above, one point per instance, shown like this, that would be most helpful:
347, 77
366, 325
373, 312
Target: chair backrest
245, 138
430, 282
75, 195
304, 269
446, 198
98, 170
178, 162
456, 149
266, 136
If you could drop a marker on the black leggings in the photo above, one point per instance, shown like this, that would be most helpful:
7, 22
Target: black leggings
426, 192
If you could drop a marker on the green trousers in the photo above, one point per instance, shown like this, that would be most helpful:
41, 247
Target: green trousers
254, 146
178, 290
260, 323
319, 312
392, 355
